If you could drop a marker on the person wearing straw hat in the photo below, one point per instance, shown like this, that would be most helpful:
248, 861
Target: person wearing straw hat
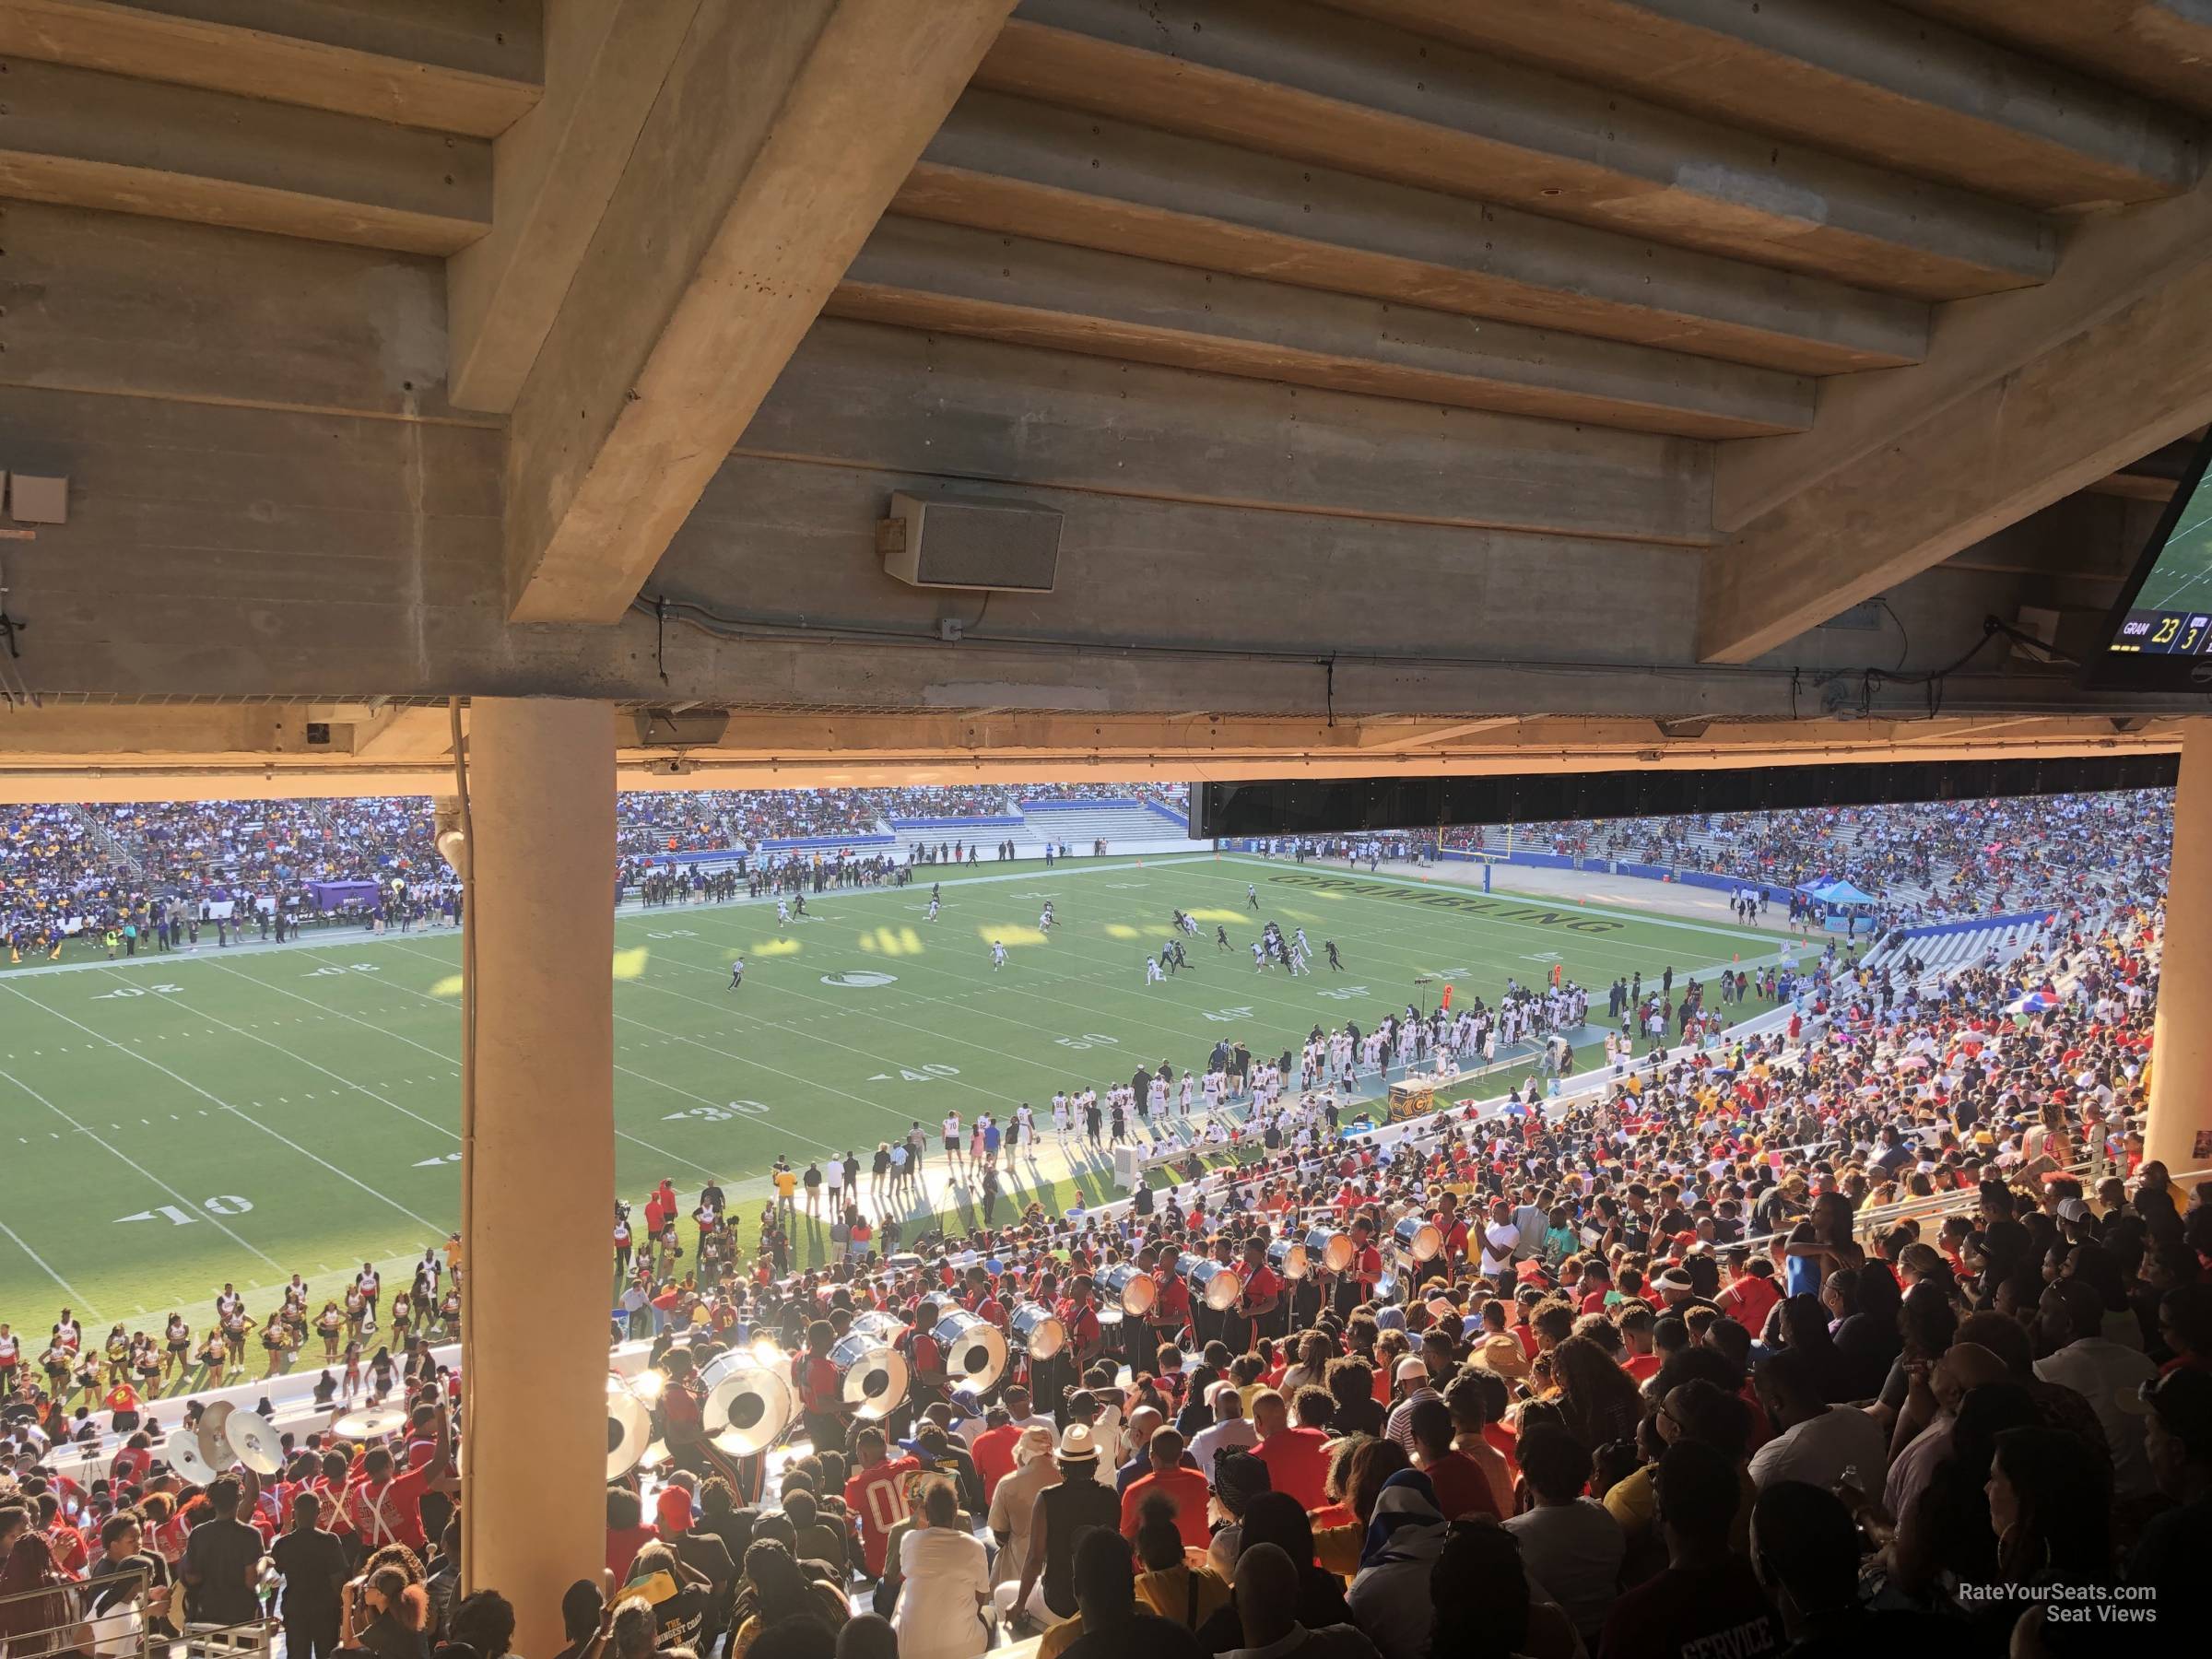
1061, 1512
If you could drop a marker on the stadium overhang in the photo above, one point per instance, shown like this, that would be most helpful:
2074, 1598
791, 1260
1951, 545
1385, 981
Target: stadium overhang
1379, 357
106, 752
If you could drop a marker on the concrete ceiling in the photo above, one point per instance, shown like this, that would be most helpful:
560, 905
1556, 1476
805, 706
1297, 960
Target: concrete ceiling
1386, 358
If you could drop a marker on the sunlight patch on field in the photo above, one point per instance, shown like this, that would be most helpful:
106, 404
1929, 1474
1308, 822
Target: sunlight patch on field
448, 986
778, 948
1011, 935
1122, 930
1217, 913
889, 941
630, 964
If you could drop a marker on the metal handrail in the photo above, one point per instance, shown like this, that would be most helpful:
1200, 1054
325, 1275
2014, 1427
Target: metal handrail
121, 1631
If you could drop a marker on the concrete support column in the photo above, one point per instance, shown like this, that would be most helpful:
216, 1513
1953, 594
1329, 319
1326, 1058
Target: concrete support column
538, 1173
2180, 1077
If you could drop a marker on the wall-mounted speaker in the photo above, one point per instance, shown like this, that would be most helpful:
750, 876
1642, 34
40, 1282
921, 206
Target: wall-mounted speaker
965, 541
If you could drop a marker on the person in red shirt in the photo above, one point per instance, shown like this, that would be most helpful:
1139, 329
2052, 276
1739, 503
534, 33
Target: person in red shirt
1185, 1488
1296, 1457
1085, 1338
1462, 1486
1453, 1226
385, 1505
1596, 1284
1170, 1301
819, 1389
626, 1531
1263, 1298
1640, 1360
1358, 1283
1751, 1293
878, 1494
993, 1449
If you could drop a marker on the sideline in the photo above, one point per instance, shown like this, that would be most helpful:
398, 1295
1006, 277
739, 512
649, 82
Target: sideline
1553, 902
630, 909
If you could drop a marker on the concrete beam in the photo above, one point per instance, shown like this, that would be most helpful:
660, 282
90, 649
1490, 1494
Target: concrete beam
128, 306
2133, 487
1296, 80
448, 66
950, 279
339, 560
405, 732
778, 137
553, 173
154, 753
2085, 537
859, 393
1393, 738
82, 138
2116, 390
1860, 80
1017, 168
2161, 47
2110, 263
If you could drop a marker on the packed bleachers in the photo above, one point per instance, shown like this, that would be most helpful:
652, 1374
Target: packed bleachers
76, 868
1860, 1319
1887, 1287
1926, 862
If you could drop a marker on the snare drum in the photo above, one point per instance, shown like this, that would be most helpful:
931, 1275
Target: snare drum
1125, 1290
1419, 1238
1218, 1283
1332, 1248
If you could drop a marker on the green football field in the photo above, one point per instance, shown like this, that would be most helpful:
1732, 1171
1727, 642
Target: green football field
172, 1122
2182, 577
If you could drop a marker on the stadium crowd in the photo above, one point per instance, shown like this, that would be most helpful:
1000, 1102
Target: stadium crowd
131, 870
1872, 1330
1927, 862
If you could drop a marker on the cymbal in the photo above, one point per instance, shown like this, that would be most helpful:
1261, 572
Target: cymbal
371, 1422
214, 1451
183, 1451
254, 1441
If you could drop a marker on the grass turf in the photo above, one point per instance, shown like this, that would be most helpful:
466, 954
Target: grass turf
173, 1123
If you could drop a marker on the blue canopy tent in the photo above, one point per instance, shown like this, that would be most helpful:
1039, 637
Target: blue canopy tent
1838, 899
1836, 894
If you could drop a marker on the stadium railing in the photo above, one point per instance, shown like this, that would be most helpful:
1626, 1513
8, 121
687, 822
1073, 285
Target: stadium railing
122, 1630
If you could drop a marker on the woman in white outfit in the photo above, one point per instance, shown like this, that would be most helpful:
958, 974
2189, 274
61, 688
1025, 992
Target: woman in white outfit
946, 1584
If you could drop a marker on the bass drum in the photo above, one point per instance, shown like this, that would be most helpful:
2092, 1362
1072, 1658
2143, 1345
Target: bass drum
748, 1404
1288, 1257
629, 1427
1331, 1248
1036, 1331
1419, 1238
975, 1351
871, 1374
1125, 1291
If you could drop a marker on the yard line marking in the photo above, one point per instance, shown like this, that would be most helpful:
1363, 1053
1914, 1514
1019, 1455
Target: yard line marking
304, 1060
76, 1295
344, 1175
398, 1037
125, 1157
